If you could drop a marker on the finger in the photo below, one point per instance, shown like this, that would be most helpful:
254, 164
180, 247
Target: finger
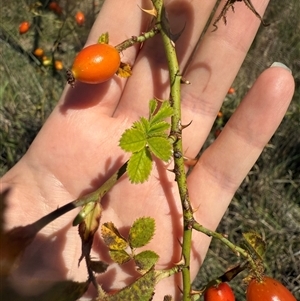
121, 21
224, 165
213, 69
150, 75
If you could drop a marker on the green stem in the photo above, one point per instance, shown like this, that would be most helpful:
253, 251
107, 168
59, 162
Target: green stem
176, 129
236, 249
162, 274
94, 196
137, 39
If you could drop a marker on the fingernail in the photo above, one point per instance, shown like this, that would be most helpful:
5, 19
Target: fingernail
281, 65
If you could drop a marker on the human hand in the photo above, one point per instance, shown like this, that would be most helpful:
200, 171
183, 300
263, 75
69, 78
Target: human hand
77, 149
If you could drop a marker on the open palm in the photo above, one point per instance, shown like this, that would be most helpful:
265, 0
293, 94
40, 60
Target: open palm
77, 148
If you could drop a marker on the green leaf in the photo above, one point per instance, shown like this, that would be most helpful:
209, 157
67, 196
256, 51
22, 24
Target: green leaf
139, 166
145, 260
141, 232
119, 256
158, 129
152, 107
160, 147
164, 112
112, 238
142, 289
104, 38
133, 140
143, 125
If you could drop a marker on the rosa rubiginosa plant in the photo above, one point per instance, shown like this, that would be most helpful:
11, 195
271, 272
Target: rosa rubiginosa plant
157, 137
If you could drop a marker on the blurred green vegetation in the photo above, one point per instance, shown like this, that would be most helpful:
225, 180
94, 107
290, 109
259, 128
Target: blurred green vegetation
269, 198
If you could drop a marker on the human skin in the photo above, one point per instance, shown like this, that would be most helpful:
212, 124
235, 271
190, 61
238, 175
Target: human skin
77, 148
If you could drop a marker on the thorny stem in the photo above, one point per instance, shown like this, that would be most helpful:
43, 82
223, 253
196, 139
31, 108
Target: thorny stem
161, 274
176, 129
236, 249
137, 39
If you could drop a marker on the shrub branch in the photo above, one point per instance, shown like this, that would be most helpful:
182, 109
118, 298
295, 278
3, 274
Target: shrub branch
176, 131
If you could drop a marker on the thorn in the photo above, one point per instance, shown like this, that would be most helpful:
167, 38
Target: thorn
189, 161
181, 262
183, 126
171, 170
194, 292
265, 24
180, 289
152, 12
185, 81
215, 29
179, 243
196, 209
174, 37
159, 100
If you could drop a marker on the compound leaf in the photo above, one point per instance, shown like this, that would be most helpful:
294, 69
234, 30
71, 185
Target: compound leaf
141, 232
